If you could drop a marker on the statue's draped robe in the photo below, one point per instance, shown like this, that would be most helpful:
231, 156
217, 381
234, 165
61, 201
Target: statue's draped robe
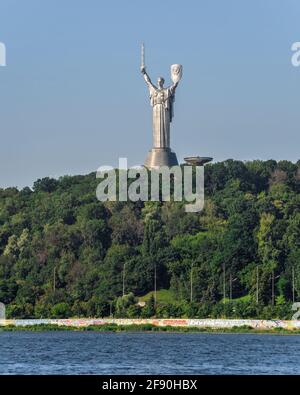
162, 103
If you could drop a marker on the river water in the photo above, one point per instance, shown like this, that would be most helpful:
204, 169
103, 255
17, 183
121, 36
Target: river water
147, 353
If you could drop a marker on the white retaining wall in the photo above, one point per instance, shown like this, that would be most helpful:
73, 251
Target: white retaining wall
200, 323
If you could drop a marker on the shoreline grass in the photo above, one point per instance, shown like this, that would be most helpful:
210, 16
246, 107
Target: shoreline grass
114, 328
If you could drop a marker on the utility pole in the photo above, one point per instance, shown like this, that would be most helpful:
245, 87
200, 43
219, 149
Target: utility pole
224, 281
257, 284
54, 279
273, 284
155, 298
231, 281
293, 281
124, 279
192, 283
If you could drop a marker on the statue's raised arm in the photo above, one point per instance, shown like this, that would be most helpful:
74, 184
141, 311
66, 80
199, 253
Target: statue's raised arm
146, 77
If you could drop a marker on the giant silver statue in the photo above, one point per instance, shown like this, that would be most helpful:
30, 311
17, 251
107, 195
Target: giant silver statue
162, 102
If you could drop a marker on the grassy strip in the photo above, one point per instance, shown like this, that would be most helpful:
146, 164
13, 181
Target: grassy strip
146, 328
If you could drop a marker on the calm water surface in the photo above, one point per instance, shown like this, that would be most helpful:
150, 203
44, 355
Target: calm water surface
147, 353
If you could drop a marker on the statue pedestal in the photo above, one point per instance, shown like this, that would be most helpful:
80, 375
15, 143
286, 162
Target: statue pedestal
159, 157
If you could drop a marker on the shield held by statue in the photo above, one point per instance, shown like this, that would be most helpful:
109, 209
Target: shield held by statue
176, 73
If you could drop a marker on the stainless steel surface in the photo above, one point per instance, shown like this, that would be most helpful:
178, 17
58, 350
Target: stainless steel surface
158, 157
162, 102
197, 160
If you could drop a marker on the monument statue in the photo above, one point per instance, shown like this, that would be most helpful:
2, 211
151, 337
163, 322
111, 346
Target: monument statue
162, 102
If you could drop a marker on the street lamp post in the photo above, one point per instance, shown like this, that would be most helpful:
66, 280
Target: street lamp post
191, 283
124, 279
273, 287
54, 279
231, 281
155, 290
257, 284
224, 281
293, 281
273, 284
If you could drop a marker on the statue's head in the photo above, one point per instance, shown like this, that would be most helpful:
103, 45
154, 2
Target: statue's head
160, 82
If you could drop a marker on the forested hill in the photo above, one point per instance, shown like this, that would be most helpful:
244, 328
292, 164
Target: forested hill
62, 253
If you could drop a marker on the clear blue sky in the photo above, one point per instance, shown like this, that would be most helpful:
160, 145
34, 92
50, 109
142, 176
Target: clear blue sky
72, 97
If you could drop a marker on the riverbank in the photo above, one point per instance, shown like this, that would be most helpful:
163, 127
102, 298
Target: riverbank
148, 328
154, 325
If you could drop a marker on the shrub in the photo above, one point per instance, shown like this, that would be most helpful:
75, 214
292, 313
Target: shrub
60, 310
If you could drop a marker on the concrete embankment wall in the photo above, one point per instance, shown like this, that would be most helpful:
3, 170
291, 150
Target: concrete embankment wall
200, 323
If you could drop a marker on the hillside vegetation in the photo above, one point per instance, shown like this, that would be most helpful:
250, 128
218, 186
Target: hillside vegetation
62, 252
